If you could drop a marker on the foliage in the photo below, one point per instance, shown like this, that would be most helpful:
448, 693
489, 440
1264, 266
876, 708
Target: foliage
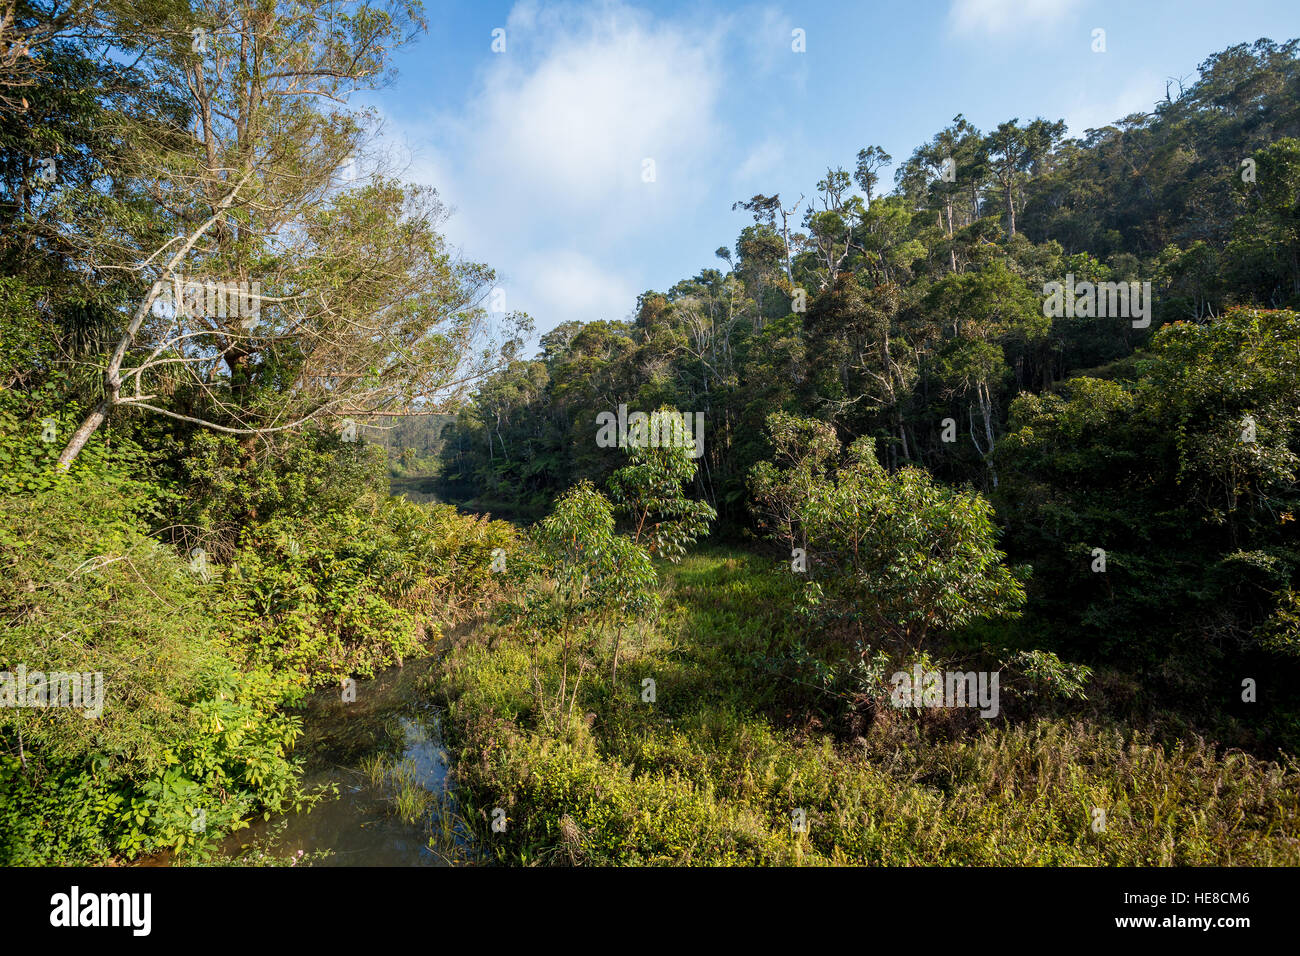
896, 348
184, 728
313, 573
1185, 475
649, 490
351, 591
595, 570
904, 553
711, 772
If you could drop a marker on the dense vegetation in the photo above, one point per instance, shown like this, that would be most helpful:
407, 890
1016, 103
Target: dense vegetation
906, 464
756, 716
210, 563
1100, 510
916, 321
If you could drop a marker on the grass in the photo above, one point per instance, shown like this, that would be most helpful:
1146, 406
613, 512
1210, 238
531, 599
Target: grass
746, 729
413, 803
408, 797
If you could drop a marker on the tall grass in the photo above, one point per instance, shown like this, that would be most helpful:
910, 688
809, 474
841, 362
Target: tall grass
713, 771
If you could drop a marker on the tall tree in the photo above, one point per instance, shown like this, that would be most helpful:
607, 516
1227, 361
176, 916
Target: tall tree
361, 309
1012, 149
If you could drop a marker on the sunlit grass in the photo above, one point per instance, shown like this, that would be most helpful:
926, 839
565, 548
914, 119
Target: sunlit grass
714, 769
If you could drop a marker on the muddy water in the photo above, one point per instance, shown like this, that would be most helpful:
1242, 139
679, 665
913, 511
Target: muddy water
393, 720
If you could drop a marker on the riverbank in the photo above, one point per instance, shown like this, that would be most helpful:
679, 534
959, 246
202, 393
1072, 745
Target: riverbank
731, 736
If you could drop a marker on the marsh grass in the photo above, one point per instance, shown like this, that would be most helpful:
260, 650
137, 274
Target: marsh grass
411, 800
711, 772
404, 783
408, 799
450, 833
374, 767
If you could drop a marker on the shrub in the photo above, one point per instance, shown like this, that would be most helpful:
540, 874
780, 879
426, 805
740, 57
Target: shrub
353, 591
185, 734
906, 554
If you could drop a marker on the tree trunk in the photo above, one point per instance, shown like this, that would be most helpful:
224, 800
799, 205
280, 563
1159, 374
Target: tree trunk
113, 374
564, 672
83, 433
952, 251
613, 675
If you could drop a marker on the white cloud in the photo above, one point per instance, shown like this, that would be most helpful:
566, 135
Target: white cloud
548, 151
1001, 16
765, 36
1139, 95
565, 284
765, 158
611, 89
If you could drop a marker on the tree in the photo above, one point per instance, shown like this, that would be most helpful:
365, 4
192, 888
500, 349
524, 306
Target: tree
361, 310
938, 172
1012, 149
597, 573
804, 451
831, 227
765, 210
26, 28
1275, 222
1184, 473
903, 553
649, 490
980, 309
867, 172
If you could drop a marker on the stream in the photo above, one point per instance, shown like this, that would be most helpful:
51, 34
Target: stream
384, 753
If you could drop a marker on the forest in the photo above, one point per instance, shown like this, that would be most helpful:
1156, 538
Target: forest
947, 523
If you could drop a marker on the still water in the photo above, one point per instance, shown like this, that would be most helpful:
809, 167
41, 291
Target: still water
402, 816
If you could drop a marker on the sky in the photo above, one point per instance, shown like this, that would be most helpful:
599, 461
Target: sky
595, 153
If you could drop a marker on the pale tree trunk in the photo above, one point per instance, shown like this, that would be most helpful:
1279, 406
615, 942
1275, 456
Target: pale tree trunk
83, 433
785, 232
113, 374
986, 413
952, 252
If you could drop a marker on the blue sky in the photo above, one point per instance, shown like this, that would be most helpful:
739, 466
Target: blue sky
541, 148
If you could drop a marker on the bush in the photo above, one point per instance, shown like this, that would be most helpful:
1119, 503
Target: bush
906, 554
185, 734
353, 591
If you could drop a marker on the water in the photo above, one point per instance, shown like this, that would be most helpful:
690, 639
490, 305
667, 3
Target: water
393, 720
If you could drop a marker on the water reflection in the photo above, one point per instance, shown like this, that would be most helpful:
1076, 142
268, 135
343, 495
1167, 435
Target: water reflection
384, 752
